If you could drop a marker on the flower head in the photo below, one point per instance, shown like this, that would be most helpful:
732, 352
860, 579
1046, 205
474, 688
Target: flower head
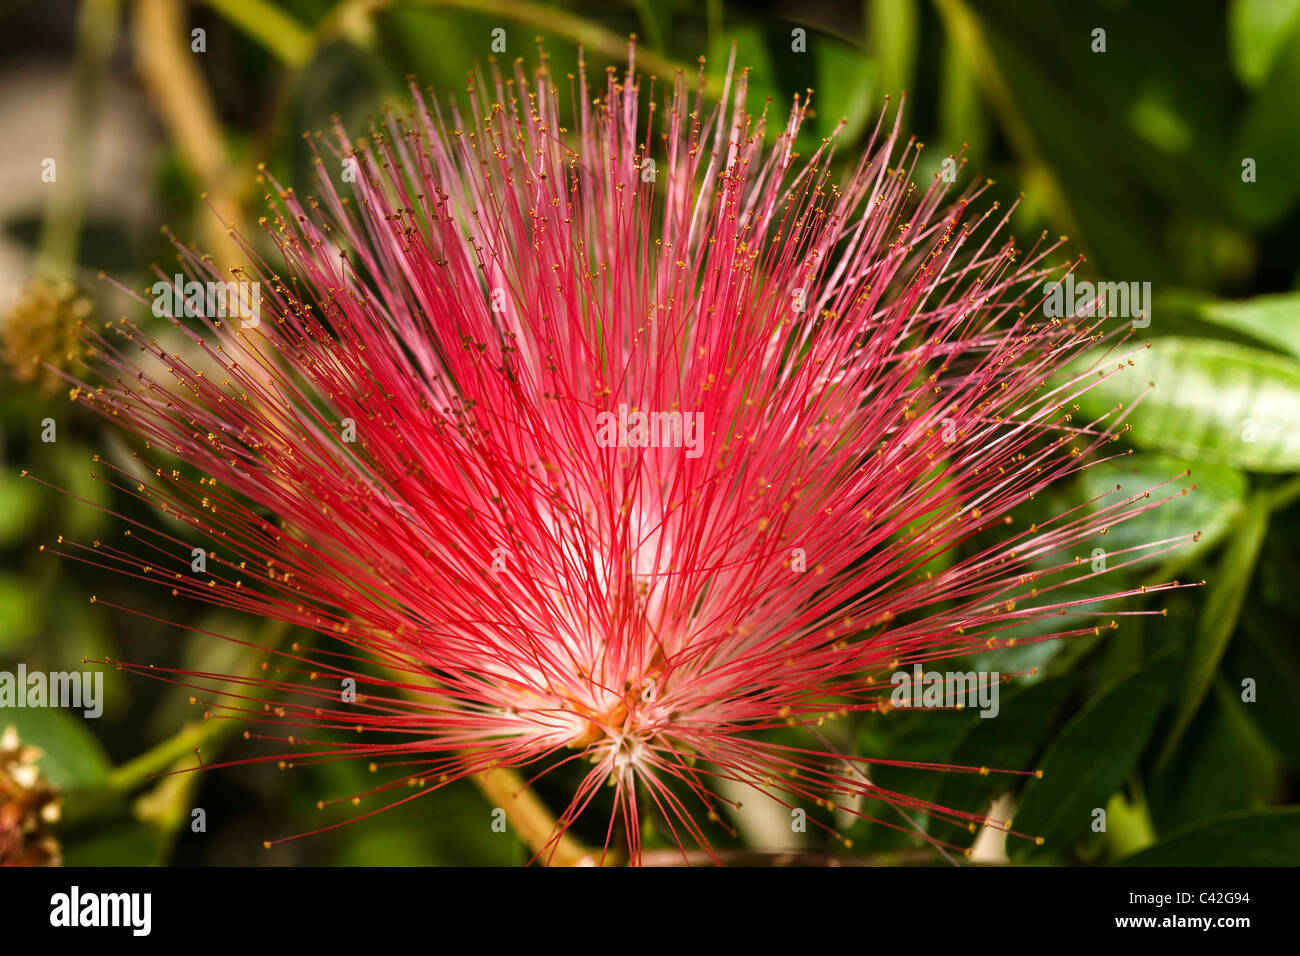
40, 329
29, 807
586, 434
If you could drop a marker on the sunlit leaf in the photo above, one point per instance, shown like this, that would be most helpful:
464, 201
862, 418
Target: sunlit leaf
1211, 401
1257, 33
1271, 319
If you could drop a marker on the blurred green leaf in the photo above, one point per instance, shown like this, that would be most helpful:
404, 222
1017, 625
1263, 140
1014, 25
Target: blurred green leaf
1219, 620
1212, 401
656, 21
1254, 838
893, 33
1271, 142
1093, 755
1128, 825
1272, 660
962, 118
20, 612
124, 844
448, 827
924, 736
429, 43
752, 52
1271, 319
385, 846
1031, 655
19, 506
1009, 741
270, 26
79, 519
80, 634
1222, 765
1110, 192
1257, 32
73, 757
846, 89
1157, 120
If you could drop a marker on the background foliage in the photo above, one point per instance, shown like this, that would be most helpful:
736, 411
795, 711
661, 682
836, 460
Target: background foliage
1136, 153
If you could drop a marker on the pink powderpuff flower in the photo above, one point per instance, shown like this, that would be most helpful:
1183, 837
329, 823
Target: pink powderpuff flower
618, 439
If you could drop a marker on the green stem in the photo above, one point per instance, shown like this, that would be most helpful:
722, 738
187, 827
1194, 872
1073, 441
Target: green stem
645, 14
179, 94
533, 822
97, 30
964, 27
122, 780
118, 784
138, 770
575, 28
283, 36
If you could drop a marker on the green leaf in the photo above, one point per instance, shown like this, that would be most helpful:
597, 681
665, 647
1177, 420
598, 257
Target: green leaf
753, 54
1093, 754
274, 28
385, 846
1128, 825
1253, 838
1271, 319
846, 86
1009, 741
1257, 32
1271, 658
20, 612
79, 518
655, 20
1223, 765
452, 827
1211, 401
1219, 620
1272, 144
893, 27
19, 505
1043, 84
1031, 655
962, 118
72, 756
1218, 499
125, 844
925, 736
431, 43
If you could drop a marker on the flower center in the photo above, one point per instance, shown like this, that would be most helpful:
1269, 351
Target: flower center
628, 717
